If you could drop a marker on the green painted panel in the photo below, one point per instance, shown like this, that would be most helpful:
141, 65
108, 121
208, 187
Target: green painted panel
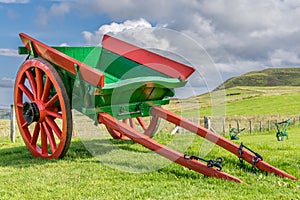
123, 68
130, 89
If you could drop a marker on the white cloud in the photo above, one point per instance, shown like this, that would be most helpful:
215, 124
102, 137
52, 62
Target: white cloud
282, 57
6, 91
56, 11
6, 97
6, 82
14, 1
114, 28
64, 45
9, 52
239, 35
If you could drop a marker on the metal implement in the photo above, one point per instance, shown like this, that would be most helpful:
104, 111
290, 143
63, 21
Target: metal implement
119, 85
282, 133
233, 133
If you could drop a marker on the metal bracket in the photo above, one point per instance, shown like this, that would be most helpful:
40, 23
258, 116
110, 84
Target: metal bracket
254, 159
210, 163
32, 52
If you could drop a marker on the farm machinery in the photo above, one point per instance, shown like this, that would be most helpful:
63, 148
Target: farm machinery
281, 129
119, 86
233, 133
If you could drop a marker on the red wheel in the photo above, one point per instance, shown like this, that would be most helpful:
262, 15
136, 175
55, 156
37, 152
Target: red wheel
42, 109
146, 125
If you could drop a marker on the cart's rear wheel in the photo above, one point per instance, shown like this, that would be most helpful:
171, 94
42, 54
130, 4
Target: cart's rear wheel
42, 109
147, 125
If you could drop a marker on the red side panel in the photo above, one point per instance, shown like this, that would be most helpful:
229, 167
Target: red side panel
154, 61
60, 59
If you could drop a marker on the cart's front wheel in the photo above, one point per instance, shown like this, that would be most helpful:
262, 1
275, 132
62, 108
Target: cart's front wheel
42, 109
146, 125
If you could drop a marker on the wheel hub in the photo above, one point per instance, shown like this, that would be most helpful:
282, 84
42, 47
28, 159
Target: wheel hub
30, 112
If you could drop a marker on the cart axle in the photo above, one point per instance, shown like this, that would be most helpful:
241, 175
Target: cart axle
30, 112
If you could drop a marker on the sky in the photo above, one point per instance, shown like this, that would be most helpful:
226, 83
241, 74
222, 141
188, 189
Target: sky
232, 36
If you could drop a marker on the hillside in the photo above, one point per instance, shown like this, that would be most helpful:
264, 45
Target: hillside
243, 101
265, 78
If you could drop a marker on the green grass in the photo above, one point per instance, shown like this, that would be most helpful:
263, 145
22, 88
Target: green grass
249, 101
82, 176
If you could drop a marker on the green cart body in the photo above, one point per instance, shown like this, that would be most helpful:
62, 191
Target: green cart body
130, 88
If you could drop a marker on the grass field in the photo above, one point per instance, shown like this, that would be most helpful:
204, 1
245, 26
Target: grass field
82, 176
249, 101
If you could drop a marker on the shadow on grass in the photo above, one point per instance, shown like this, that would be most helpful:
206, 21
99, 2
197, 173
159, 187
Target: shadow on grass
20, 157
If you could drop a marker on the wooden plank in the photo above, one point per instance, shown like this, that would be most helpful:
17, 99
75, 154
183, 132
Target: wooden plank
154, 61
67, 63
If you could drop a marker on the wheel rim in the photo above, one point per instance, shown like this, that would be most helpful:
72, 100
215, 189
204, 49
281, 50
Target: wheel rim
148, 126
42, 109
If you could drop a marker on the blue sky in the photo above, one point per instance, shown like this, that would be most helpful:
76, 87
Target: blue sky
238, 35
28, 18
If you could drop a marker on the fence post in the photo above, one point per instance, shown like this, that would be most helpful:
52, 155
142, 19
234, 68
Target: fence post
294, 121
250, 123
238, 125
260, 126
12, 124
207, 124
224, 128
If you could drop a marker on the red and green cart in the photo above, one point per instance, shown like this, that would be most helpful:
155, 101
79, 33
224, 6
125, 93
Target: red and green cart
119, 85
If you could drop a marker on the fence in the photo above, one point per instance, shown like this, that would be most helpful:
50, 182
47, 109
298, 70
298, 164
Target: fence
8, 123
252, 124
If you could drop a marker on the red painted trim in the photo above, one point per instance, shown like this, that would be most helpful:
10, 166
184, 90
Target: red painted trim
217, 139
154, 61
60, 59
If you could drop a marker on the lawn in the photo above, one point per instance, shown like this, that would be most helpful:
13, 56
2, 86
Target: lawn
248, 101
82, 176
103, 168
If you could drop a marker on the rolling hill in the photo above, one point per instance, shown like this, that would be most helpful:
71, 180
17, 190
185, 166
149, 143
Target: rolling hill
267, 92
265, 78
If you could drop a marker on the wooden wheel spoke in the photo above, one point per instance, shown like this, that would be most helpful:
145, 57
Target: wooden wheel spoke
142, 123
35, 134
44, 141
52, 101
20, 105
25, 125
27, 92
39, 83
132, 123
50, 137
47, 88
54, 127
54, 114
32, 83
147, 127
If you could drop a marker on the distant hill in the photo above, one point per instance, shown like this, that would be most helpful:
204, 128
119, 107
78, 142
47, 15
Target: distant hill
266, 77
